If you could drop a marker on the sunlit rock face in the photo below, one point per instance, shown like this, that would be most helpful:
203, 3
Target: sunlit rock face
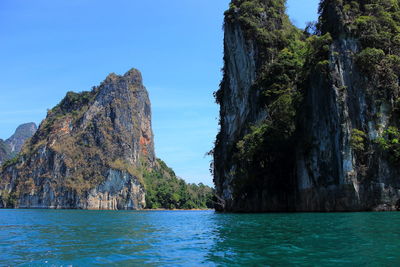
89, 152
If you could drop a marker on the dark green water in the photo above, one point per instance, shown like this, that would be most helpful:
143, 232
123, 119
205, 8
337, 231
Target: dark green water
192, 238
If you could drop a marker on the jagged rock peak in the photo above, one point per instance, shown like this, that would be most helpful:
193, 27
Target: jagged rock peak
25, 129
12, 146
133, 76
23, 132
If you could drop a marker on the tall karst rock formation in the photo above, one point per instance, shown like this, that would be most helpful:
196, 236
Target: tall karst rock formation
90, 151
309, 121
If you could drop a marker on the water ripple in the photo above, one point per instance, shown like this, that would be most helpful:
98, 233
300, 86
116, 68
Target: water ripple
193, 238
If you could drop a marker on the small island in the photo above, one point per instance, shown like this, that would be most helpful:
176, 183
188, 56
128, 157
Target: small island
95, 150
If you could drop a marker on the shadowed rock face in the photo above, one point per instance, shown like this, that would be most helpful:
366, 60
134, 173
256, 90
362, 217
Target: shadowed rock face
88, 153
333, 174
4, 151
12, 146
245, 57
323, 170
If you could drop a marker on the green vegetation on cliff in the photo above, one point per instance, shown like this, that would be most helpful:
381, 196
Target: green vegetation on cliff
390, 142
165, 190
289, 56
357, 140
285, 58
281, 51
303, 112
9, 162
376, 25
265, 22
348, 68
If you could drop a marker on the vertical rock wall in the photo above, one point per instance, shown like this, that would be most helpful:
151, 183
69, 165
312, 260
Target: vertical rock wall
340, 105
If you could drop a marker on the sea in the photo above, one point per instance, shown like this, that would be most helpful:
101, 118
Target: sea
197, 238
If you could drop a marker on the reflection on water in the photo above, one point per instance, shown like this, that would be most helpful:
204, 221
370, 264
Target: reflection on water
191, 238
328, 239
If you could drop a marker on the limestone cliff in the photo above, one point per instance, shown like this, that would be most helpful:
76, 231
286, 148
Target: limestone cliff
251, 173
5, 151
90, 151
13, 145
350, 121
309, 121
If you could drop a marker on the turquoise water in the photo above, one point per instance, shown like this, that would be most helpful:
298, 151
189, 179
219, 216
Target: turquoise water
193, 238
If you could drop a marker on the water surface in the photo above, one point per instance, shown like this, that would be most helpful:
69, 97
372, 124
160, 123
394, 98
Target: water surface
193, 238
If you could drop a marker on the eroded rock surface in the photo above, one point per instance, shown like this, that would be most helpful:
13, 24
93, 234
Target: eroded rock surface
89, 152
333, 145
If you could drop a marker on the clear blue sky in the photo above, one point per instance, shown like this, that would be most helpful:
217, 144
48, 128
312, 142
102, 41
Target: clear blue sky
50, 47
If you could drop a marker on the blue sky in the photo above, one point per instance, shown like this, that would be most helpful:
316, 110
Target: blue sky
50, 47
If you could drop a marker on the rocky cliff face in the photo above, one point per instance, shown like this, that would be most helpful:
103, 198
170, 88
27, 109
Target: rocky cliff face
350, 122
250, 174
90, 151
13, 145
334, 145
236, 98
22, 133
4, 151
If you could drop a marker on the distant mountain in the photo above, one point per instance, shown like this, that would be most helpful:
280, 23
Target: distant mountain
22, 133
13, 145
